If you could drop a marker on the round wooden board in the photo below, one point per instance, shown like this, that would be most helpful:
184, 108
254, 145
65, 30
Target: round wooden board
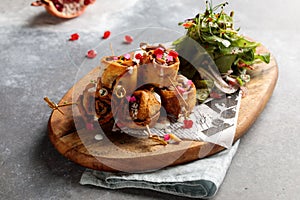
128, 154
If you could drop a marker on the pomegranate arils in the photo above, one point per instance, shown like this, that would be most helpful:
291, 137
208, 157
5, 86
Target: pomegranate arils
87, 2
215, 95
106, 34
167, 137
74, 36
174, 54
66, 9
159, 51
89, 126
180, 89
128, 39
187, 123
59, 7
138, 56
91, 54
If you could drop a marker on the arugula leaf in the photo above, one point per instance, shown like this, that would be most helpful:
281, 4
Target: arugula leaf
263, 57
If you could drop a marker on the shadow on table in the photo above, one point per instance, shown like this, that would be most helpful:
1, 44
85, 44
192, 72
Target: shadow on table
152, 194
54, 162
44, 19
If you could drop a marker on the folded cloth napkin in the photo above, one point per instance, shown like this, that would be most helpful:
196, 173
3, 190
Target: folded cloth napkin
198, 179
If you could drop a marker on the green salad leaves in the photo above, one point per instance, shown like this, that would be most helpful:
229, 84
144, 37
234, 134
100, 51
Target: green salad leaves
232, 53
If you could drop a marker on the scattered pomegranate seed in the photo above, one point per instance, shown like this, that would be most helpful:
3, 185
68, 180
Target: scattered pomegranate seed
187, 123
91, 54
89, 126
120, 125
106, 34
74, 37
128, 39
215, 95
167, 137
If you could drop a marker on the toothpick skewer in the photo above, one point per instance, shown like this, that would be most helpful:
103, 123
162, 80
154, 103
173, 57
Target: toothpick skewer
155, 137
111, 49
148, 131
52, 105
66, 104
55, 106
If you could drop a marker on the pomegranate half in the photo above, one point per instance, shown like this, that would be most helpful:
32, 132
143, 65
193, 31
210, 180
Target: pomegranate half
66, 9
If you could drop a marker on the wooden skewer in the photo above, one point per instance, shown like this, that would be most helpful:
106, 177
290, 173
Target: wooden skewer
175, 138
67, 104
148, 131
111, 49
158, 139
155, 137
54, 106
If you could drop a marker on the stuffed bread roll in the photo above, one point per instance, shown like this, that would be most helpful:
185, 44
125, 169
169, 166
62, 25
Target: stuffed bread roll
180, 100
140, 109
159, 66
121, 69
86, 103
102, 104
95, 104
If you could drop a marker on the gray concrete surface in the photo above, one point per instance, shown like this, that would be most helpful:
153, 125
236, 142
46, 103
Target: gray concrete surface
36, 60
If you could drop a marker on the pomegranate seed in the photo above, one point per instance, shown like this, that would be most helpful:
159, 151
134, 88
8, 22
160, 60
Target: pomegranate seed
128, 39
159, 51
138, 56
58, 6
106, 34
89, 126
180, 89
91, 54
132, 99
127, 56
174, 54
170, 58
187, 123
87, 2
189, 82
215, 95
167, 137
120, 125
74, 36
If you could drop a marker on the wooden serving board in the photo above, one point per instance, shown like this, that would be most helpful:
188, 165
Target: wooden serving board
120, 152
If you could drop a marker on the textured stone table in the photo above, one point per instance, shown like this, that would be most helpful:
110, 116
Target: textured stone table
36, 60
